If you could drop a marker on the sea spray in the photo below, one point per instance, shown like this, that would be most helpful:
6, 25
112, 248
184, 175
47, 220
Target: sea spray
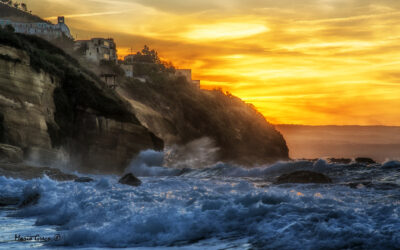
199, 153
150, 163
222, 205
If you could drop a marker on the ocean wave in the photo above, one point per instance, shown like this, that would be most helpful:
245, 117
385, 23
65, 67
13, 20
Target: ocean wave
221, 205
150, 163
180, 211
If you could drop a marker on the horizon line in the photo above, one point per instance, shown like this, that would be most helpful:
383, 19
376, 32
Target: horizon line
333, 125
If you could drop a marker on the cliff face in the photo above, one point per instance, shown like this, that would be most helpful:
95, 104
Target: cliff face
51, 107
26, 101
180, 113
107, 145
52, 112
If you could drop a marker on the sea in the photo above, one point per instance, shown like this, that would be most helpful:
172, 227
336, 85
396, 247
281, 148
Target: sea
221, 206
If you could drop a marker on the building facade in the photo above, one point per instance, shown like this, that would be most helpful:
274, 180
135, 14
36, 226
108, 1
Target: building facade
98, 49
187, 73
45, 30
129, 59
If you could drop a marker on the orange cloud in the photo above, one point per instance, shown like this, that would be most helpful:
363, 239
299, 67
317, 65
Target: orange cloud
300, 62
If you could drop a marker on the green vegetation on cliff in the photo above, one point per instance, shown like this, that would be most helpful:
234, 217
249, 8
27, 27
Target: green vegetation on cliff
148, 63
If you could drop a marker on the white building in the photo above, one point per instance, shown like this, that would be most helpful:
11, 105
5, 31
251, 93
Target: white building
98, 49
45, 30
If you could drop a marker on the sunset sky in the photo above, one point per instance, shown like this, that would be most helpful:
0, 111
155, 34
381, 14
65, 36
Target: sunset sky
299, 62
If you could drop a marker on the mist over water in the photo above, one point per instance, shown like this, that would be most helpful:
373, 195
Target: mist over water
199, 153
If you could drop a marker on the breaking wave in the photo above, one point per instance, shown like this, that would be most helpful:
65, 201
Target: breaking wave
222, 206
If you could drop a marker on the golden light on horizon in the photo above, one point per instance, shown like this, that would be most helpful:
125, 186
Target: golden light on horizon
224, 31
309, 62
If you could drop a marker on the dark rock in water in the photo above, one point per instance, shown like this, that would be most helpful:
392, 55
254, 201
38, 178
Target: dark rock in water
340, 160
8, 201
365, 160
391, 164
303, 177
30, 199
130, 179
83, 179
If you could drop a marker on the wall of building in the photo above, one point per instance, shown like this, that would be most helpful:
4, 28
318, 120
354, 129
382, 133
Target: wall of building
45, 30
97, 49
187, 73
196, 82
127, 66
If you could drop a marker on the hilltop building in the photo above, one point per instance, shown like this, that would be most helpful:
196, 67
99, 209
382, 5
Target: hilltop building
187, 73
130, 72
128, 66
45, 30
129, 59
98, 49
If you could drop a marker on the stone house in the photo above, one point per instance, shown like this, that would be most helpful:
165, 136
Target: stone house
187, 73
98, 49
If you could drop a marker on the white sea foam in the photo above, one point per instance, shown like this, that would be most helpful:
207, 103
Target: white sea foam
183, 211
221, 206
199, 153
152, 163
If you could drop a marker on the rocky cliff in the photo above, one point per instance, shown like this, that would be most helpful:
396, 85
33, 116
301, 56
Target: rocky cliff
182, 114
51, 107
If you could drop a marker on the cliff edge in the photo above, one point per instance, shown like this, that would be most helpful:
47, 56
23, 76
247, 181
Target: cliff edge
13, 14
53, 108
181, 113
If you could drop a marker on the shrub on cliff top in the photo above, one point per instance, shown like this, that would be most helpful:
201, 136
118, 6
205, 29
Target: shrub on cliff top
148, 63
